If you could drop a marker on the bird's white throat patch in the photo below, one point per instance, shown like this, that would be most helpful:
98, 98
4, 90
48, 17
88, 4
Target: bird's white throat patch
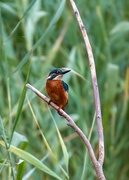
58, 77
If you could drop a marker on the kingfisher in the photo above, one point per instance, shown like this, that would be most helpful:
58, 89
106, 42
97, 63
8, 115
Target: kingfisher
56, 88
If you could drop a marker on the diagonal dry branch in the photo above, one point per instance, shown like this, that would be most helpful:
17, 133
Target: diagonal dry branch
72, 124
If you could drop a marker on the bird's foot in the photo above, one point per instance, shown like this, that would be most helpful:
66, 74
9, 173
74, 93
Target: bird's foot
58, 110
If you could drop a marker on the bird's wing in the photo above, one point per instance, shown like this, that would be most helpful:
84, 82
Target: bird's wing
65, 86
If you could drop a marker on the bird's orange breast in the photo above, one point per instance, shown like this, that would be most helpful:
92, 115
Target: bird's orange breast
57, 93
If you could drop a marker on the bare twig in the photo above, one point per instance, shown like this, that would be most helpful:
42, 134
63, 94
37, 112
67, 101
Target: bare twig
72, 124
94, 82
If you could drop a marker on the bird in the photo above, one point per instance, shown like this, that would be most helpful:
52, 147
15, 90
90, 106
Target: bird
56, 88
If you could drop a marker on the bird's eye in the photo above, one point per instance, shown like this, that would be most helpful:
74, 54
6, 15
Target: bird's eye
59, 71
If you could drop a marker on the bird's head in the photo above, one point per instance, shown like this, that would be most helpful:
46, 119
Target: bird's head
57, 74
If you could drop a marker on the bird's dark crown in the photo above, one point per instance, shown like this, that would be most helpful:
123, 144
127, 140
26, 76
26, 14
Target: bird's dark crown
57, 72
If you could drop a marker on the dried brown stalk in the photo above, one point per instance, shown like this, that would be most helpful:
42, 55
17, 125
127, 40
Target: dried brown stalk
96, 92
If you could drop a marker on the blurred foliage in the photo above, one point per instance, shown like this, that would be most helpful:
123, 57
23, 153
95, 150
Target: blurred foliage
36, 36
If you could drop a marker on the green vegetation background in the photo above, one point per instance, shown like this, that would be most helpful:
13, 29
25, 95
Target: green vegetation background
36, 36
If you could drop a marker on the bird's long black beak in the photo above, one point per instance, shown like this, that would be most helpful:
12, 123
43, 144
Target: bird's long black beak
65, 71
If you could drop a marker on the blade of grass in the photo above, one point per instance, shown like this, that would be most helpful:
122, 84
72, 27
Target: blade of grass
64, 149
20, 105
46, 142
6, 69
8, 8
20, 169
19, 110
31, 159
24, 15
7, 147
54, 20
28, 174
85, 158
